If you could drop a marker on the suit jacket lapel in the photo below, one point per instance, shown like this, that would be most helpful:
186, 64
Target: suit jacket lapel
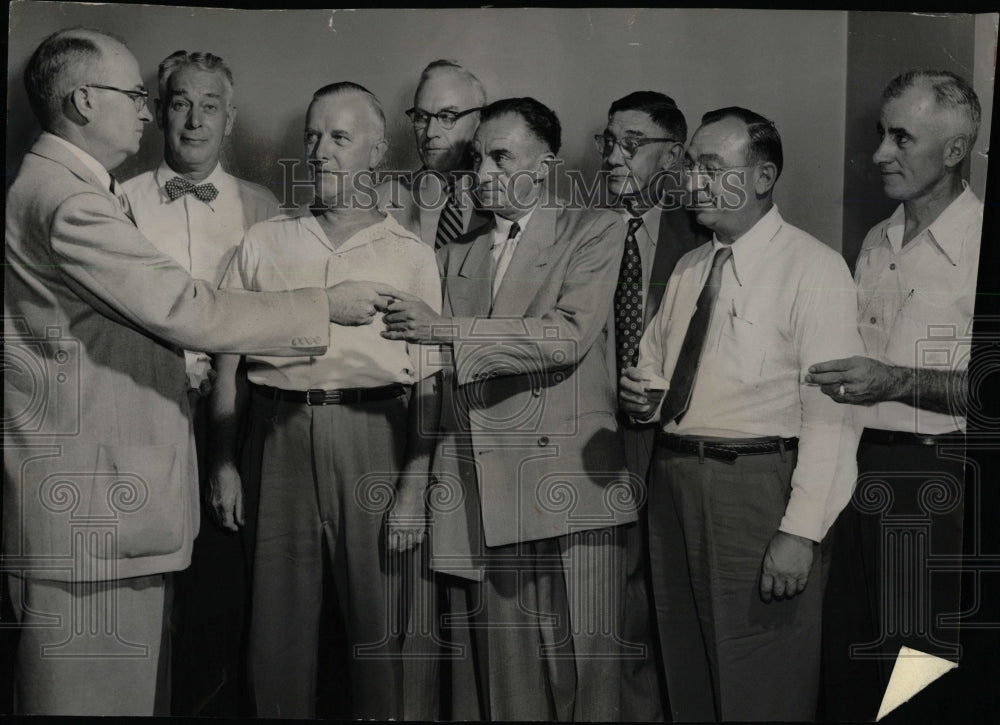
678, 235
468, 287
526, 272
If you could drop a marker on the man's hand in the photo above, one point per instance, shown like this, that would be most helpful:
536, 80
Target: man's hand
357, 303
785, 571
406, 520
410, 318
858, 380
632, 396
226, 496
205, 386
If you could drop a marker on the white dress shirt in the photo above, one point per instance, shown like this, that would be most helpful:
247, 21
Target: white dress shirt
293, 251
915, 303
786, 301
201, 236
504, 248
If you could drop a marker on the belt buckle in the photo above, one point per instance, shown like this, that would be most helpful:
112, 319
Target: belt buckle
309, 397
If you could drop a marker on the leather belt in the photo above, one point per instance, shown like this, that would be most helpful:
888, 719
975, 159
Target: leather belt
343, 396
879, 437
726, 449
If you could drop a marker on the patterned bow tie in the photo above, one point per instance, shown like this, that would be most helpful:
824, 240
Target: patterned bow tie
179, 186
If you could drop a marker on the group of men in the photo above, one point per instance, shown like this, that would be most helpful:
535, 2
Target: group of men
516, 460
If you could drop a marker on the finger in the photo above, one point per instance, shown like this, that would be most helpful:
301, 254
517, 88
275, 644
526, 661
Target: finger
383, 303
638, 398
766, 586
240, 519
830, 366
833, 390
227, 519
778, 588
393, 335
395, 316
387, 290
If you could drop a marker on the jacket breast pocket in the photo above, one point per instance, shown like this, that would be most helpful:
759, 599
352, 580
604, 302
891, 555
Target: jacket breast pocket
140, 494
743, 350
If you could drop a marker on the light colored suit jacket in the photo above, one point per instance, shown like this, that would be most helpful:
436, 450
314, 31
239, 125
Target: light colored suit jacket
100, 476
530, 446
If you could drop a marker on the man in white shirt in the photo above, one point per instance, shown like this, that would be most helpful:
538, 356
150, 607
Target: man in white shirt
434, 202
752, 465
641, 149
194, 211
329, 435
916, 277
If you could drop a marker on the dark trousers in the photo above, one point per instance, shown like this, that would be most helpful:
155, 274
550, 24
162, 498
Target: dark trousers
327, 477
894, 577
211, 604
539, 637
641, 690
728, 655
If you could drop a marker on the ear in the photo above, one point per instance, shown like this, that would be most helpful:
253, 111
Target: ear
671, 156
955, 150
544, 166
377, 153
230, 118
81, 103
767, 174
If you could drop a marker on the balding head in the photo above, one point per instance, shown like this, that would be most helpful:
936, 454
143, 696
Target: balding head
63, 61
364, 95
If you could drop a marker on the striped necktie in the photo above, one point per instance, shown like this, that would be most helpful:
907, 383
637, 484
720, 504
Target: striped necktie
678, 396
450, 223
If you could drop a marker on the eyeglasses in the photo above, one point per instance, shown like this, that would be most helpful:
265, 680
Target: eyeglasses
605, 143
711, 172
139, 98
420, 118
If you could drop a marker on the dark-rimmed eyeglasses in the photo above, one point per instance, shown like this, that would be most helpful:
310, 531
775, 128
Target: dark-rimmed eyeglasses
420, 118
712, 173
139, 98
606, 143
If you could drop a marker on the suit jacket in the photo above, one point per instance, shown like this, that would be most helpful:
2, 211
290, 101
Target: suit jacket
415, 201
678, 234
530, 445
100, 475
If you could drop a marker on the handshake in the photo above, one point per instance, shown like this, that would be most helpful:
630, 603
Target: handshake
357, 303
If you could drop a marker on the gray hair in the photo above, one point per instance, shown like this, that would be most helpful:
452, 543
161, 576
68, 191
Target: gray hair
182, 59
951, 93
453, 66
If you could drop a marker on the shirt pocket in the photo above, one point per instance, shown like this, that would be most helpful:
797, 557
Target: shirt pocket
743, 349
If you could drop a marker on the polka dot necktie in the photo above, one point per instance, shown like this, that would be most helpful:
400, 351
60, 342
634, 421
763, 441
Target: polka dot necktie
628, 301
678, 397
179, 186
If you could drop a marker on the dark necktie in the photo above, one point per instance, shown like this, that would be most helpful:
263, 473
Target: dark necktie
179, 186
503, 252
678, 396
123, 201
628, 300
450, 222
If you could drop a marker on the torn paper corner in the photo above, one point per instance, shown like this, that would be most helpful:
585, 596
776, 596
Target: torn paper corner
913, 671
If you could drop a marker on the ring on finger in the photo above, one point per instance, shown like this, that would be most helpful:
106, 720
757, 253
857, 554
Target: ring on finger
840, 390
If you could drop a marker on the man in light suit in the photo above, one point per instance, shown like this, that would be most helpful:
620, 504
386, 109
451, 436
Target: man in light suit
641, 148
434, 202
100, 494
192, 210
530, 490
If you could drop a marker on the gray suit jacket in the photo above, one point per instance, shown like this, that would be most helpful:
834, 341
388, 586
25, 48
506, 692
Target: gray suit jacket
100, 476
530, 446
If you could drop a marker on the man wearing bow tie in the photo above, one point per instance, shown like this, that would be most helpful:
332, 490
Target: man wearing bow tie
194, 211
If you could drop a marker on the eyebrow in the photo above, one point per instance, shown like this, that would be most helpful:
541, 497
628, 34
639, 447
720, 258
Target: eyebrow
707, 157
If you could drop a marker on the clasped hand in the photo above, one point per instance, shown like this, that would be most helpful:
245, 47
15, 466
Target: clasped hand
357, 302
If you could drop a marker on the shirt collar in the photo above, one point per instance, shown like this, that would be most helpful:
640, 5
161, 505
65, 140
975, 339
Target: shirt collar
86, 159
650, 220
369, 234
503, 226
748, 249
947, 231
217, 178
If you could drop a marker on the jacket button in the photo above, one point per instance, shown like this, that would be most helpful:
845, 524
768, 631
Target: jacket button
543, 441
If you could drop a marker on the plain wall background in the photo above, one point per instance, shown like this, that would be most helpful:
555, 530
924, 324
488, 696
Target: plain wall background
817, 74
788, 66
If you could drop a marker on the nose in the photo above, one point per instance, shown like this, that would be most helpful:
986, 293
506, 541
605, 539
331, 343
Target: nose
883, 153
194, 118
616, 157
144, 114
